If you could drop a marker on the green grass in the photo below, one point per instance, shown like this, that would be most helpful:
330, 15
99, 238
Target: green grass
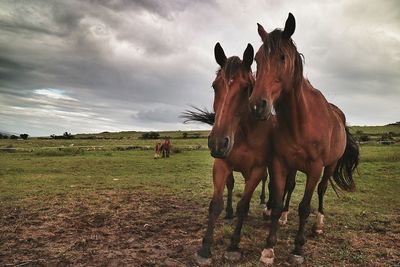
376, 130
53, 169
50, 172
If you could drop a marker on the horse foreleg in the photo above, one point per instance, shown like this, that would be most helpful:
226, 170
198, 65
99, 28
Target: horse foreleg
242, 210
278, 179
220, 175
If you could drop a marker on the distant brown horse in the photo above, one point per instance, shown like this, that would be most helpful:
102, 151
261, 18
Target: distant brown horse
310, 135
162, 148
157, 150
166, 147
238, 142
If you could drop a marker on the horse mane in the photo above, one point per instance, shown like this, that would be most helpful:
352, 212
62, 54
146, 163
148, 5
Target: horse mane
275, 43
198, 115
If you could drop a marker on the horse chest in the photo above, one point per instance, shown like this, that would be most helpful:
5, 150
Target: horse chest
243, 158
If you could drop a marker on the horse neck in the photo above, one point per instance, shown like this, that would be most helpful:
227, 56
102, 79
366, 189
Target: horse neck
248, 127
292, 112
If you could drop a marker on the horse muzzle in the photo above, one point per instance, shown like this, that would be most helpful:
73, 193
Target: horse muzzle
219, 147
261, 110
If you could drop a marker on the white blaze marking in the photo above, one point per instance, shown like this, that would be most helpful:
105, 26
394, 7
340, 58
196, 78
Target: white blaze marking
222, 106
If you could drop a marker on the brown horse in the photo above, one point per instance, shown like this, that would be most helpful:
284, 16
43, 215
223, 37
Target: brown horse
238, 142
157, 150
166, 147
310, 135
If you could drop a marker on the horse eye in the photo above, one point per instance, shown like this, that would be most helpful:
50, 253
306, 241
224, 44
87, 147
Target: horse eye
282, 57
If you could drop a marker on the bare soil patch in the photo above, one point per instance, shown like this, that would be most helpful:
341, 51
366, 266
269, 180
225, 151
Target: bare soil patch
132, 228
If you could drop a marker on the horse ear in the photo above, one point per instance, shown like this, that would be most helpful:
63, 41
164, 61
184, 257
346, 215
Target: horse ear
263, 33
290, 26
248, 56
219, 55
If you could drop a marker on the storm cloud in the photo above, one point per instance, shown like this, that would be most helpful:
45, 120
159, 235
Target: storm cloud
90, 66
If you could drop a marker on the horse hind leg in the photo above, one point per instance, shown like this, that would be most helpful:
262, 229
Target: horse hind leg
268, 206
289, 187
318, 227
262, 194
230, 183
304, 211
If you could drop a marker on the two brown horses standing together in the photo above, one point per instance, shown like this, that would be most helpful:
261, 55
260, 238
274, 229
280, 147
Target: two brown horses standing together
277, 121
162, 148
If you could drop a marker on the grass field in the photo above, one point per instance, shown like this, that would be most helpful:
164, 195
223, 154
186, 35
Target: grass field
107, 202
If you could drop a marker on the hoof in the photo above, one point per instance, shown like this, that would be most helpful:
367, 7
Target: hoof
201, 261
296, 259
284, 218
232, 255
316, 231
282, 223
229, 216
263, 205
319, 231
267, 256
266, 214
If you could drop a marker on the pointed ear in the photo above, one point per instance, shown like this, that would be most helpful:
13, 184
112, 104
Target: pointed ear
290, 26
248, 56
219, 55
263, 33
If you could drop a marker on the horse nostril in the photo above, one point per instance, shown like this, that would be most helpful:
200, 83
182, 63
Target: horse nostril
226, 142
263, 103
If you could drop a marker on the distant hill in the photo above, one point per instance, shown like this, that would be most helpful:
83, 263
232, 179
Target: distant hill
8, 133
394, 124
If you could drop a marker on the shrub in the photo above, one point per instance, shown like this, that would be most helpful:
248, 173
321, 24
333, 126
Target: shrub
363, 138
68, 135
176, 150
386, 137
150, 135
24, 136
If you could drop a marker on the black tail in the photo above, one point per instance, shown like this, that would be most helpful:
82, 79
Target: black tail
198, 115
346, 165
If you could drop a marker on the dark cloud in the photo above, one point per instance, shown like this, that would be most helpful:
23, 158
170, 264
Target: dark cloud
137, 64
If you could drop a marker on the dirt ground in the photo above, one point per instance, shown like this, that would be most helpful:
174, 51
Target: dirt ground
114, 228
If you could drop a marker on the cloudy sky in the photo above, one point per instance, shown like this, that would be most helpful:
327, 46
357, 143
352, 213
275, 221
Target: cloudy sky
99, 65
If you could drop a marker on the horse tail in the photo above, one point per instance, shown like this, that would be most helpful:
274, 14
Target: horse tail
343, 174
198, 115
